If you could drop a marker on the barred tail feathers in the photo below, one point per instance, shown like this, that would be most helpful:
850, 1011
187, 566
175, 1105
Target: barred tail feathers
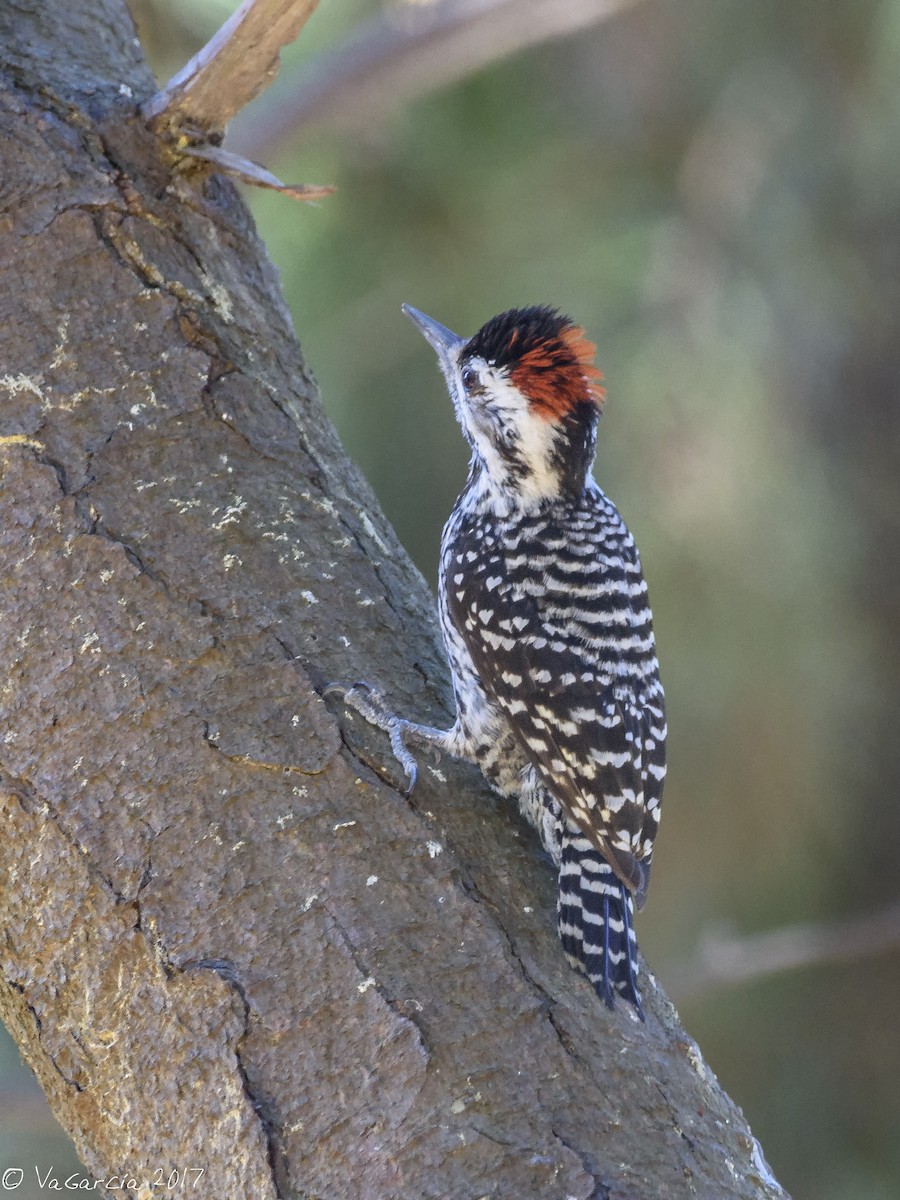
595, 913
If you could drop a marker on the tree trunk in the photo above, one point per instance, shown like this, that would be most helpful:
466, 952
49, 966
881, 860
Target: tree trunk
227, 942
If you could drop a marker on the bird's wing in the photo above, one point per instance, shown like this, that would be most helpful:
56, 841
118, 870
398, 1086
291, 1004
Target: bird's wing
550, 673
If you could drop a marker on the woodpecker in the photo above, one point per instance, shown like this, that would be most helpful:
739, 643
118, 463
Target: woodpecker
548, 630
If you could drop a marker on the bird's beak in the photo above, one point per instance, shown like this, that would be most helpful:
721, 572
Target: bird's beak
445, 342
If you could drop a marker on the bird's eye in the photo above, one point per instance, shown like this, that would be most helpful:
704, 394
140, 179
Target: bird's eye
469, 378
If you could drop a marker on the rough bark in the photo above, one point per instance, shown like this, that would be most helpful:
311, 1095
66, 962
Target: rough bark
226, 940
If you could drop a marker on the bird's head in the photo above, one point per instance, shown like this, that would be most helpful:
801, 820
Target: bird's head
527, 395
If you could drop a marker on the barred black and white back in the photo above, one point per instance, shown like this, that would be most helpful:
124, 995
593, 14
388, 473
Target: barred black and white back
548, 630
549, 634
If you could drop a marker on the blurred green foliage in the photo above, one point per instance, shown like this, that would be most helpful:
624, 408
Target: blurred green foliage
712, 188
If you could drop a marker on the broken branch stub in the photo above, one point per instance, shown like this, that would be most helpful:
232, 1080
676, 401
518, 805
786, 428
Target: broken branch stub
234, 66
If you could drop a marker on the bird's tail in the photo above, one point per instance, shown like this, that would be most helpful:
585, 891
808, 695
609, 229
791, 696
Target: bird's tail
595, 914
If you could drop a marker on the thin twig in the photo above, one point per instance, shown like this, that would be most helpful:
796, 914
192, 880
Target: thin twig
722, 959
232, 68
250, 172
405, 53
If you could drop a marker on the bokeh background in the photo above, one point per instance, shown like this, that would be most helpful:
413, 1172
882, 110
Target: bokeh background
713, 188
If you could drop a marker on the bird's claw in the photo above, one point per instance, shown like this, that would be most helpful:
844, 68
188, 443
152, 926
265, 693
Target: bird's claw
403, 756
343, 690
365, 699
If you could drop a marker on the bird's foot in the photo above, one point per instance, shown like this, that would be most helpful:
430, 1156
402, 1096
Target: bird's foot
370, 704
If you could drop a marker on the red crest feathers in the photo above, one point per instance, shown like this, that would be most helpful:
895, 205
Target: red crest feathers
548, 358
559, 373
